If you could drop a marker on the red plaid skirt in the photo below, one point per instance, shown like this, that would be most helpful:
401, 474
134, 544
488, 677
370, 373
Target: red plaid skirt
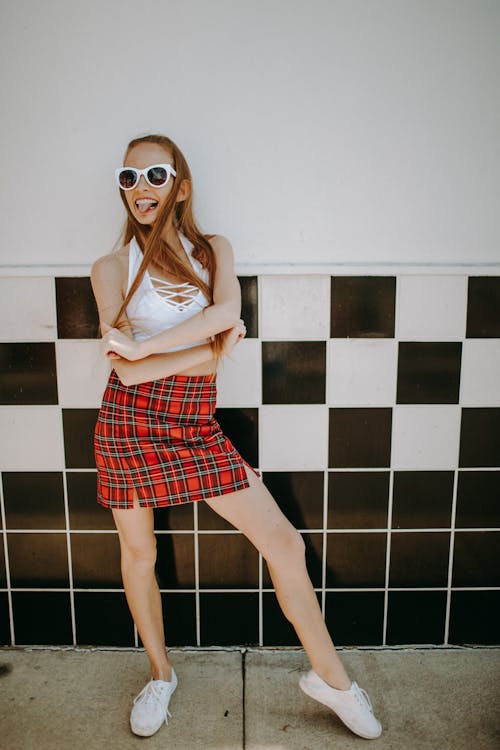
161, 439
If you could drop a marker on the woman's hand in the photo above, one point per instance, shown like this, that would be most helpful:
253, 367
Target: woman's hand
232, 336
115, 344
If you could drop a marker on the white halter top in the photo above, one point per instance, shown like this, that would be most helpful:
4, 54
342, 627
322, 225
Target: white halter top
154, 307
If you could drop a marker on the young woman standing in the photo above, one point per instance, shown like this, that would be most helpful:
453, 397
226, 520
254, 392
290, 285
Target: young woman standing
169, 307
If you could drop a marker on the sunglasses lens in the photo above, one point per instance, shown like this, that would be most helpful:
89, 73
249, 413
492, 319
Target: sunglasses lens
158, 176
127, 178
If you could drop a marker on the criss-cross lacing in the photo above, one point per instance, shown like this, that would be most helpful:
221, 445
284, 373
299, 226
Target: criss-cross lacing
150, 694
362, 697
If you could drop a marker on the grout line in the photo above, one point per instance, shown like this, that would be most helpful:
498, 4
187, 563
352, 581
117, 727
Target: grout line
7, 565
243, 697
196, 573
70, 558
388, 557
450, 558
325, 539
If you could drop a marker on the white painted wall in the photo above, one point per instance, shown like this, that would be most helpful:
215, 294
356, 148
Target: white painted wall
316, 130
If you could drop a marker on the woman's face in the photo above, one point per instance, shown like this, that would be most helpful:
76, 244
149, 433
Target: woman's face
145, 201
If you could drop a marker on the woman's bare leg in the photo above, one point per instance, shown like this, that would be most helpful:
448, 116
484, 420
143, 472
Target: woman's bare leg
255, 512
138, 556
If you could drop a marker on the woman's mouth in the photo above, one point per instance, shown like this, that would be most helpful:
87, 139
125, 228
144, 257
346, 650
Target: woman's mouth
146, 205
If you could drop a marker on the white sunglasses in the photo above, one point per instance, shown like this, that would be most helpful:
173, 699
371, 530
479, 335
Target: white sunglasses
157, 175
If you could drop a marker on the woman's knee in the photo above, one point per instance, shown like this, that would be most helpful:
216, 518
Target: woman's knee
139, 552
285, 546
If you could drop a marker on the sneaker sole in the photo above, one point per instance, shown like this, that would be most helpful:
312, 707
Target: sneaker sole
305, 688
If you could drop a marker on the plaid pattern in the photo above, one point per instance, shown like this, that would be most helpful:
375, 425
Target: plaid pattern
161, 439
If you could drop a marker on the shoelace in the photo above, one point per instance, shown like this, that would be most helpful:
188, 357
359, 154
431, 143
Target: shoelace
148, 694
362, 697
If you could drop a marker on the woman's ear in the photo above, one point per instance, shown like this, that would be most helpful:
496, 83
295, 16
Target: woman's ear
184, 190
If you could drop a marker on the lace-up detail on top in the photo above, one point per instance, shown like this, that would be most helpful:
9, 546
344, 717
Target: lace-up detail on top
159, 304
179, 296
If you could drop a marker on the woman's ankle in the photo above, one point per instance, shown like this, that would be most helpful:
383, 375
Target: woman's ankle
162, 673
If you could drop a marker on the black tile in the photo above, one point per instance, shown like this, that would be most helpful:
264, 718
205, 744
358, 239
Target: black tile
229, 619
358, 499
479, 442
422, 499
34, 500
175, 561
175, 518
363, 306
209, 520
103, 619
416, 617
5, 637
419, 559
293, 372
355, 618
38, 560
314, 556
277, 630
179, 619
241, 426
483, 307
28, 373
42, 618
355, 560
476, 558
429, 372
478, 499
78, 427
95, 560
84, 510
360, 438
299, 494
227, 561
249, 305
77, 316
474, 618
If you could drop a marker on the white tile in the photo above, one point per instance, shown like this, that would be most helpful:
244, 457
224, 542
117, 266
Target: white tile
480, 376
425, 437
295, 307
239, 377
82, 373
27, 309
293, 437
432, 308
362, 372
31, 438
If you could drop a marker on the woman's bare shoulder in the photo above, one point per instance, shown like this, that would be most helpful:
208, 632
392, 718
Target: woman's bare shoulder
221, 245
112, 265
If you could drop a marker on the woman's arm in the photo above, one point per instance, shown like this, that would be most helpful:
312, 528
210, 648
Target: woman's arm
222, 315
106, 279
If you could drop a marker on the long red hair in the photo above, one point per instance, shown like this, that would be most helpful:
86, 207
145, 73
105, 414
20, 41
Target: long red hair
156, 251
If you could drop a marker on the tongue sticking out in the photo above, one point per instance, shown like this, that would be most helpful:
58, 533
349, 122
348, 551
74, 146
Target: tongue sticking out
146, 205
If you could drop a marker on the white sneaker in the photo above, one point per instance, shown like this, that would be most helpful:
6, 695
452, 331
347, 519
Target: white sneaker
352, 706
151, 706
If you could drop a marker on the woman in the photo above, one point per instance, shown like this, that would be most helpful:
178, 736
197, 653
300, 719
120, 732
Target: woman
169, 307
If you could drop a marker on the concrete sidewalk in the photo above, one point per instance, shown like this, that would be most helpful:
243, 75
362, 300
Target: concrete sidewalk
80, 699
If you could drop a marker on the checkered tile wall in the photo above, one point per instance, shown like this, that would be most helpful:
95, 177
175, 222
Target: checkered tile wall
371, 405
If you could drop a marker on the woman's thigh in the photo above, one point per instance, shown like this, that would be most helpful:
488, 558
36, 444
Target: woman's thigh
255, 512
